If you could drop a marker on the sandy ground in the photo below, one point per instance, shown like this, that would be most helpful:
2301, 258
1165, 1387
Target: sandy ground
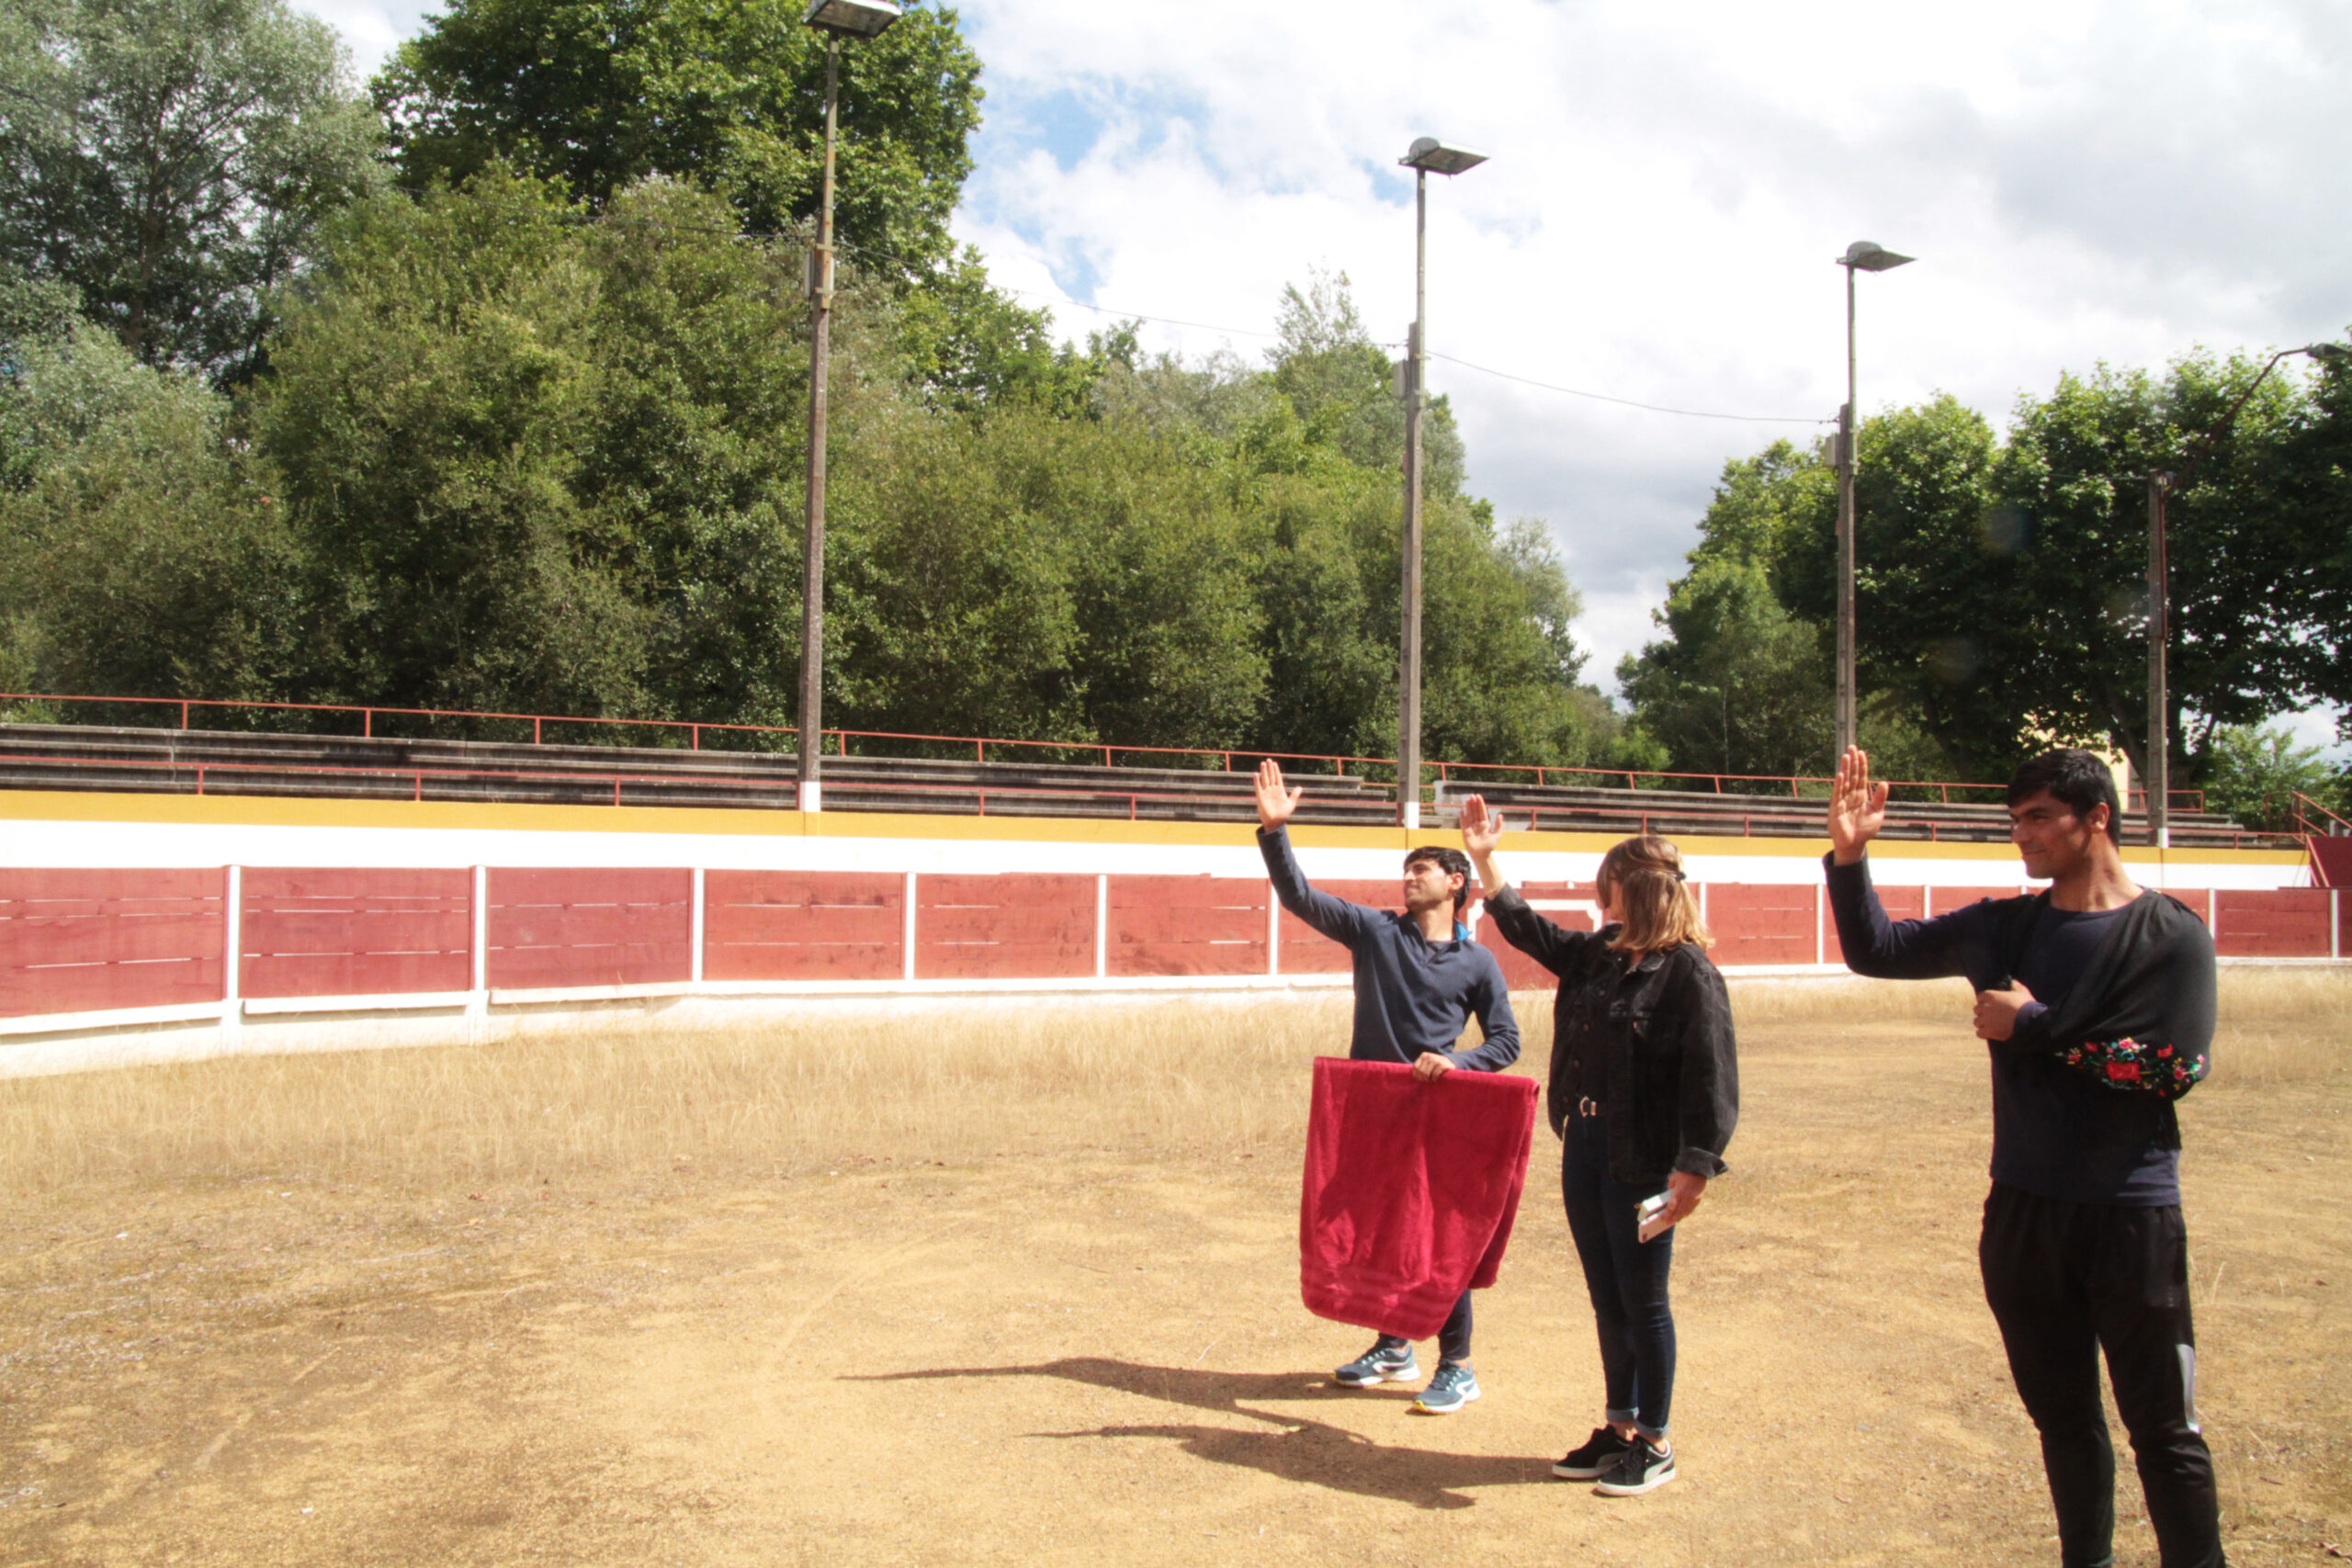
1093, 1358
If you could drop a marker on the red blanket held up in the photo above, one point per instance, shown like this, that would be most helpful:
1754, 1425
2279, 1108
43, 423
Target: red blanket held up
1410, 1192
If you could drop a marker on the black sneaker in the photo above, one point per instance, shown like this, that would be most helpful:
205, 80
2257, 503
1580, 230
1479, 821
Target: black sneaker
1639, 1469
1594, 1459
1382, 1363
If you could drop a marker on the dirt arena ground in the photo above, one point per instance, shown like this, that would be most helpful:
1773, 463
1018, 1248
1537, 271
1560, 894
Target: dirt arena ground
985, 1291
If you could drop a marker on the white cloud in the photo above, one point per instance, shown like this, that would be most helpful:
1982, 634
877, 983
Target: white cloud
2083, 180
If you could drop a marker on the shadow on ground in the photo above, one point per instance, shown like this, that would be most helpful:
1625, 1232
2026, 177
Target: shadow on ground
1313, 1453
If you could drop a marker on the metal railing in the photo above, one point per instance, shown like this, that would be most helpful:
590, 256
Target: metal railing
1449, 775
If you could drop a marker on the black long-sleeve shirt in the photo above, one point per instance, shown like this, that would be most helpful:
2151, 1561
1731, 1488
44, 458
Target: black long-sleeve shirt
1412, 994
2056, 1131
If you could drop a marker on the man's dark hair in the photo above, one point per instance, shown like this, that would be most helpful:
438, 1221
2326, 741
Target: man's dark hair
1454, 862
2074, 777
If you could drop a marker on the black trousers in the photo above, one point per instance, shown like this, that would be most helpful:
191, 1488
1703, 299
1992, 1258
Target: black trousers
2065, 1281
1452, 1340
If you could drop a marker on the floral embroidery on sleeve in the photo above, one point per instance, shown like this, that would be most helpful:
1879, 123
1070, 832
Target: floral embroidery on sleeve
2136, 1064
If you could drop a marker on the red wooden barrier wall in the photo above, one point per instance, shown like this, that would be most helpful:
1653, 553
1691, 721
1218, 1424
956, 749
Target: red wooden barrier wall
1763, 922
355, 932
1306, 950
2290, 922
93, 940
1950, 898
804, 925
1017, 926
1521, 973
589, 926
1186, 925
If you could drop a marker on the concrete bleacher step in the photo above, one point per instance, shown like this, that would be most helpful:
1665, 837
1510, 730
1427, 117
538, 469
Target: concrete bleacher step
234, 763
73, 757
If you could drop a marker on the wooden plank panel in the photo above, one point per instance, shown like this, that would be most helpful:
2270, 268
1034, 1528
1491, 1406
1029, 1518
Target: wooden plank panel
354, 974
395, 928
112, 937
1762, 923
86, 940
792, 925
1521, 973
99, 987
2196, 899
1950, 898
1900, 904
1187, 925
589, 926
1305, 951
1017, 926
2286, 922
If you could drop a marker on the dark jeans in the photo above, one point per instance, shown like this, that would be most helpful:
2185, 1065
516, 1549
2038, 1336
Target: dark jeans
1627, 1277
2067, 1281
1453, 1340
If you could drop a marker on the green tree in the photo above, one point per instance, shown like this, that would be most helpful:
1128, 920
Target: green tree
2251, 774
139, 553
172, 161
548, 465
602, 94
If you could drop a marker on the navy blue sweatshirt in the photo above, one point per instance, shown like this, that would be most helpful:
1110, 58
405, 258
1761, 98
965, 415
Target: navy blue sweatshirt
1412, 994
2056, 1133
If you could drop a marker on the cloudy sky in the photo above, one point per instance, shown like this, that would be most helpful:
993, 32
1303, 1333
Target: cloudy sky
1668, 188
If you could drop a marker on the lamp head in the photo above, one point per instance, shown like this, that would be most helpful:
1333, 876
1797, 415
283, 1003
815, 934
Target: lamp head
1434, 157
1871, 256
2330, 353
851, 19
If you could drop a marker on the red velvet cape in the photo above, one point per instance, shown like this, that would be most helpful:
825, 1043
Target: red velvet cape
1410, 1192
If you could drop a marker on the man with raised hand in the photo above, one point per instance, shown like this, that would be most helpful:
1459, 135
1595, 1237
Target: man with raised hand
1419, 980
2096, 999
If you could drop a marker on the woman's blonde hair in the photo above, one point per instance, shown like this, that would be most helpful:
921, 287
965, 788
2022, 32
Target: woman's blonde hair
1660, 910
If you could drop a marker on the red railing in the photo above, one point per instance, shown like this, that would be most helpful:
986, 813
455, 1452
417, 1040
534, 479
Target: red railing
2312, 819
1448, 773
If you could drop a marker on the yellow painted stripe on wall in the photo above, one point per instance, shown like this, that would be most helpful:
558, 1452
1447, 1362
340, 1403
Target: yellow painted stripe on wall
47, 806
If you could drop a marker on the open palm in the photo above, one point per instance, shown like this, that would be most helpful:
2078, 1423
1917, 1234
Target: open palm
1856, 807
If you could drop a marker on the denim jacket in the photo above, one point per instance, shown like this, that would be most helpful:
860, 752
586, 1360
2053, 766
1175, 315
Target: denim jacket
1667, 1024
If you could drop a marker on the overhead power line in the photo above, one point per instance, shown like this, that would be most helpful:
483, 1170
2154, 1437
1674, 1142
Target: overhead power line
1631, 404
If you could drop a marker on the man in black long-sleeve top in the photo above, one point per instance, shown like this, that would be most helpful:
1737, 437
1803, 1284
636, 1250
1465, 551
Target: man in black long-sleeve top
2096, 1002
1419, 980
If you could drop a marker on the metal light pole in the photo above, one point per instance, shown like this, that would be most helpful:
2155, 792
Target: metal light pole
1863, 255
1426, 157
836, 19
2157, 785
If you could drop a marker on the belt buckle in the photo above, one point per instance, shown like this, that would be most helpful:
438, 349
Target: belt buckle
1588, 1106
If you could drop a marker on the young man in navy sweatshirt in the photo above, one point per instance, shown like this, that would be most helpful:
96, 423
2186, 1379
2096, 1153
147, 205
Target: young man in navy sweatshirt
2095, 1000
1419, 980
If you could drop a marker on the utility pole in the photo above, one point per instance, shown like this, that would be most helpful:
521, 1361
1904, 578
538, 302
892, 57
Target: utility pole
1863, 255
1427, 155
810, 737
1408, 664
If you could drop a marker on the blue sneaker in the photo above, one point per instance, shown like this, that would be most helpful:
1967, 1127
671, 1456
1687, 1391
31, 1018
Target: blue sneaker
1382, 1363
1455, 1386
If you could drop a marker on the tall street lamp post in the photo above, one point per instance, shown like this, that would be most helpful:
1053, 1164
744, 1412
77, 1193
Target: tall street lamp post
2157, 787
1863, 255
1426, 157
837, 20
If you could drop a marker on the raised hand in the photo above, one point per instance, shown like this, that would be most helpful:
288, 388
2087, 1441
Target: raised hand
1275, 804
1481, 830
1856, 807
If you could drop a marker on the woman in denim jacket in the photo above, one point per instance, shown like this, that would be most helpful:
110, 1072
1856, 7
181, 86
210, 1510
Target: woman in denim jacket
1644, 1093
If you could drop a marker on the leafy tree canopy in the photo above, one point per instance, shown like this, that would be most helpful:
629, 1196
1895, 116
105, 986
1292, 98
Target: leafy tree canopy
171, 160
601, 93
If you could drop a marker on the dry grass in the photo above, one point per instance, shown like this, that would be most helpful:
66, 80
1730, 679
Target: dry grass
1171, 1079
